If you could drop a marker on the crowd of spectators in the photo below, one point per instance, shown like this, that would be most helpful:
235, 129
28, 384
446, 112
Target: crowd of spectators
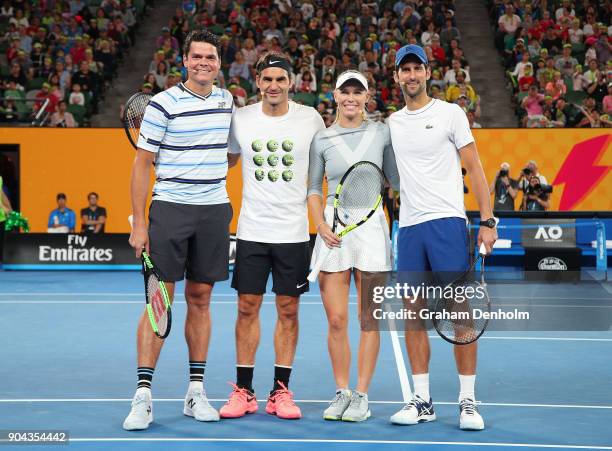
62, 51
322, 39
558, 55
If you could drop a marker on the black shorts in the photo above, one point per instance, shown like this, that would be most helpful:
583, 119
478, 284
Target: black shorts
289, 263
191, 240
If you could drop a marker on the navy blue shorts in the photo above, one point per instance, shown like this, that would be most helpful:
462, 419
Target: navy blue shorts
439, 245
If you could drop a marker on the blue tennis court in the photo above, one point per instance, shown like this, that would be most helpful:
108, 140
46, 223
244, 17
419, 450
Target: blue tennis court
69, 357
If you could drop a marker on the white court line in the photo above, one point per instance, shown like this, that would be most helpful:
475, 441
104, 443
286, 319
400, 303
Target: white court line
304, 401
304, 440
20, 293
142, 302
306, 295
532, 338
139, 294
214, 302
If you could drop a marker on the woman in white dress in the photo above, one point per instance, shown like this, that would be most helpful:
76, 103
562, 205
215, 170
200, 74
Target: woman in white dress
364, 253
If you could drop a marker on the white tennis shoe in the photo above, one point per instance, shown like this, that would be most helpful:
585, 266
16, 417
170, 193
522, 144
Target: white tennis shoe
338, 405
198, 407
141, 415
359, 409
470, 419
416, 411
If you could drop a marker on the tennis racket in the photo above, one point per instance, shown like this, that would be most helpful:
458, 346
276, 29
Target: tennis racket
133, 114
157, 300
357, 197
459, 319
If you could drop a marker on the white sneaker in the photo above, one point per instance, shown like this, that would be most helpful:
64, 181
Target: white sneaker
197, 406
358, 410
338, 405
470, 419
415, 412
141, 415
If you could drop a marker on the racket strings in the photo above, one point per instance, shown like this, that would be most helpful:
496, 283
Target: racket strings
459, 318
158, 304
134, 114
360, 192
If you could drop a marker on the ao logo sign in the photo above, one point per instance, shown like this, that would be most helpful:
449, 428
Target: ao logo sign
550, 233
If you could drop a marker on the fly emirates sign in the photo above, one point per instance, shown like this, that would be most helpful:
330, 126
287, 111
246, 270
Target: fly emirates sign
76, 250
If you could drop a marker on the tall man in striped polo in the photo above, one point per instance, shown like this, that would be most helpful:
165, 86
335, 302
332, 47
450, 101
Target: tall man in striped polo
184, 134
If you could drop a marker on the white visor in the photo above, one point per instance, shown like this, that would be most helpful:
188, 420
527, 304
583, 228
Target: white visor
352, 75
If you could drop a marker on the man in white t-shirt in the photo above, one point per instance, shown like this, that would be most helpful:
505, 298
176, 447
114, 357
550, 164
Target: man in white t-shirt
432, 141
565, 5
273, 137
509, 22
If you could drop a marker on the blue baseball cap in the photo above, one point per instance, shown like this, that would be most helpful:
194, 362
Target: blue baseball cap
410, 49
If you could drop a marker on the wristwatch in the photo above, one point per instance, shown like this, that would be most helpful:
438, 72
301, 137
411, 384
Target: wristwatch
490, 223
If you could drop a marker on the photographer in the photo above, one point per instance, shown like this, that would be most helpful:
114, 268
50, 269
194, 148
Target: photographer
531, 170
599, 88
536, 196
504, 188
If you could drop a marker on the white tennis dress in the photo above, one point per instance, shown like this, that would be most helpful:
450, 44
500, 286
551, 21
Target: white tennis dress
367, 248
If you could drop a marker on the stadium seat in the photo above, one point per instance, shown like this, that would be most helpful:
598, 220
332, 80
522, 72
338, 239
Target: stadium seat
140, 6
307, 98
35, 83
23, 109
247, 86
576, 97
78, 112
31, 95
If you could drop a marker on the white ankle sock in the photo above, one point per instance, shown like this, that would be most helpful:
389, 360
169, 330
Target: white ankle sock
421, 385
466, 386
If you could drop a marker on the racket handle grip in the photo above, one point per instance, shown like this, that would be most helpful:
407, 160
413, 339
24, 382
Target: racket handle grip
322, 257
483, 249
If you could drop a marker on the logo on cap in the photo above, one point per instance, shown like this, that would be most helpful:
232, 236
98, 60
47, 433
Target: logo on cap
410, 49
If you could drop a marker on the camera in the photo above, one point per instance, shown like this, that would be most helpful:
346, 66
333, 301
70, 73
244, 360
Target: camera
527, 172
503, 173
538, 189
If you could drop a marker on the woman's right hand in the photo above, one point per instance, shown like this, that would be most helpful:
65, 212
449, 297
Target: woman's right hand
329, 238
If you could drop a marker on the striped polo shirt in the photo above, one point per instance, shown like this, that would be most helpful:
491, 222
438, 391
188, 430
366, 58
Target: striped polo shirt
189, 133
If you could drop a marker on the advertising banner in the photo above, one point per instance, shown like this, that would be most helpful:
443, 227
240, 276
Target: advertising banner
68, 251
549, 233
